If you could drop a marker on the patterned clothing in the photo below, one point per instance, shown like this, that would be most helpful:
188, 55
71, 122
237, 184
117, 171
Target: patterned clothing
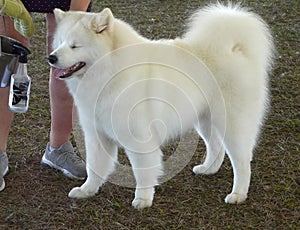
47, 6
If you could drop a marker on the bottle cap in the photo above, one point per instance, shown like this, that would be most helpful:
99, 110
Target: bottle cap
23, 58
22, 51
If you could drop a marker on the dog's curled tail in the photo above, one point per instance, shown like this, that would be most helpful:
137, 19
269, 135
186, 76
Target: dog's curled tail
222, 32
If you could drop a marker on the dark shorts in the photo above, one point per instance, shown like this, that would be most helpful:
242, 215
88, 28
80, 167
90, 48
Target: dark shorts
47, 6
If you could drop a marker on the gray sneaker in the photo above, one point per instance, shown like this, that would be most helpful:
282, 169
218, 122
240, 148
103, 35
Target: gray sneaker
65, 160
3, 168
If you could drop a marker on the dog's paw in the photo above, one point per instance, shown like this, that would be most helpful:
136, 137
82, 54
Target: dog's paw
234, 198
139, 203
78, 193
202, 169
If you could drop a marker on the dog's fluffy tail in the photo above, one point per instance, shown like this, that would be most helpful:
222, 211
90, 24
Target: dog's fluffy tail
231, 32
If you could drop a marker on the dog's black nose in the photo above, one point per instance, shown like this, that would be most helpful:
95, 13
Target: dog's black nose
52, 59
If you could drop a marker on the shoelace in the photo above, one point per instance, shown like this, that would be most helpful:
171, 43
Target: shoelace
67, 156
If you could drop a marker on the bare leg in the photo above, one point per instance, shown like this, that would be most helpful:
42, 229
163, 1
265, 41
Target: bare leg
61, 101
61, 104
6, 116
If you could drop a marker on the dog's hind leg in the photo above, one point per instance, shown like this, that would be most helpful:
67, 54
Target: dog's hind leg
214, 149
240, 158
101, 157
239, 142
147, 167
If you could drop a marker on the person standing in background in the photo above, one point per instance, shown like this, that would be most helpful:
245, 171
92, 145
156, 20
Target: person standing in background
59, 153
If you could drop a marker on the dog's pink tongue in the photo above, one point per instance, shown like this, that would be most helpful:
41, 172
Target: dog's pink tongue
56, 73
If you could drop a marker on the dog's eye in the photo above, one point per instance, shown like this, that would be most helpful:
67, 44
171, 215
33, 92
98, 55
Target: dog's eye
73, 46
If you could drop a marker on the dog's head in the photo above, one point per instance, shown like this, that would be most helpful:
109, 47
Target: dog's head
80, 39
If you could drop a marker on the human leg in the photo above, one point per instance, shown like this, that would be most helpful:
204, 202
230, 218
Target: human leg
6, 116
61, 102
59, 152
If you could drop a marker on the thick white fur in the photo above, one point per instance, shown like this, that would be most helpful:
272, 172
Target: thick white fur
233, 43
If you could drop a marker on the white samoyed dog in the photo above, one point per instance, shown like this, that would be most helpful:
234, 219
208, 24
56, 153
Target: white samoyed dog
137, 94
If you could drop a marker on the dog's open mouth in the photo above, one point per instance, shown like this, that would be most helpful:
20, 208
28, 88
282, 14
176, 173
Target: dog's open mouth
65, 73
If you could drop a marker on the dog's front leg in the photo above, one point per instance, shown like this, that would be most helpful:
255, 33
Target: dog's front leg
147, 167
101, 155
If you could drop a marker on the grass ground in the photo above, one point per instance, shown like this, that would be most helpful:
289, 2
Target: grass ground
36, 197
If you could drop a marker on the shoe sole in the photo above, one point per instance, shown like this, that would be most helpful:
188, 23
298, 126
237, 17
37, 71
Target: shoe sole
67, 173
2, 186
3, 183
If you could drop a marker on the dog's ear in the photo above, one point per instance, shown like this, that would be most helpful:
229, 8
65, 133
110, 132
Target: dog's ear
103, 21
59, 14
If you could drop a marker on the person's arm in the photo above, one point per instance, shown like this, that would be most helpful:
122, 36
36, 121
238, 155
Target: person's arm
80, 5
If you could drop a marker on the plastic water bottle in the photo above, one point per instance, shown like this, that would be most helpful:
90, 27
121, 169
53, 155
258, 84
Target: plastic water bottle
20, 88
